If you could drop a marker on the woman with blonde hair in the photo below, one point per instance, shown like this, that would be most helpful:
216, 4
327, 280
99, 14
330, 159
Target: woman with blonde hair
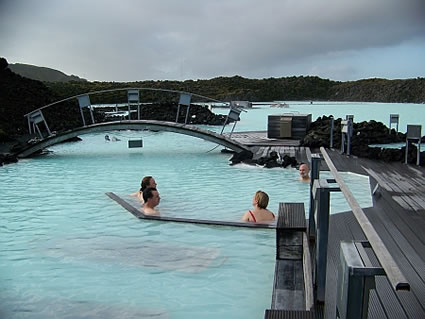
260, 213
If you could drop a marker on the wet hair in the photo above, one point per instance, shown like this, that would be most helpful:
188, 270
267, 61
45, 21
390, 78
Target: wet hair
262, 199
145, 183
301, 164
148, 193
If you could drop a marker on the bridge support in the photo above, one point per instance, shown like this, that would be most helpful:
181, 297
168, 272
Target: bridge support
184, 100
234, 114
346, 132
133, 99
35, 118
394, 119
84, 101
414, 134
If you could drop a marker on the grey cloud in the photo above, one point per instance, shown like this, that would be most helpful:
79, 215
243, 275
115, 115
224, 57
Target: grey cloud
168, 39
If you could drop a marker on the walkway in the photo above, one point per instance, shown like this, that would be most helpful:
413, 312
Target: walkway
398, 215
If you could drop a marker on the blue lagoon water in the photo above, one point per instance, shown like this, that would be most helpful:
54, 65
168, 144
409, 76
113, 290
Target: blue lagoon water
68, 251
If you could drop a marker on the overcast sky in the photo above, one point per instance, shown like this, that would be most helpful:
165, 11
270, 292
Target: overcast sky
130, 40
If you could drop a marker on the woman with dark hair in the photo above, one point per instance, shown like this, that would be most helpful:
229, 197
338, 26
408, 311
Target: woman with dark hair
147, 181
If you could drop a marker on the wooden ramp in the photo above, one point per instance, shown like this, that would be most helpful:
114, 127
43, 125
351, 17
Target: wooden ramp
137, 213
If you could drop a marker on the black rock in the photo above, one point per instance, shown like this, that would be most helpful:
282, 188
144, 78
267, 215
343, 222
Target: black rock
241, 157
7, 159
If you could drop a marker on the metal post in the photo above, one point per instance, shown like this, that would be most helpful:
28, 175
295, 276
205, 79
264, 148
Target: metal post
414, 132
321, 192
418, 155
231, 132
184, 100
314, 175
38, 130
356, 277
187, 114
224, 125
84, 101
178, 112
29, 125
133, 97
331, 143
234, 114
91, 114
349, 134
45, 123
82, 116
394, 118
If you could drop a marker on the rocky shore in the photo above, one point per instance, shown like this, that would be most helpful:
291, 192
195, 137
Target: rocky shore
364, 134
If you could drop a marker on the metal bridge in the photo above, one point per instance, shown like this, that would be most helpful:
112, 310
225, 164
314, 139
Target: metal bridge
37, 118
136, 125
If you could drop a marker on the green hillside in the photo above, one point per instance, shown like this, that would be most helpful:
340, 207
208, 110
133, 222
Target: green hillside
41, 73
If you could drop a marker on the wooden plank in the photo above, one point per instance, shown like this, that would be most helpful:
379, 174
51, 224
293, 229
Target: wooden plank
137, 213
308, 274
288, 291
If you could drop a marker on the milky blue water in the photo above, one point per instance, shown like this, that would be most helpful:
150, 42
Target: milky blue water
68, 251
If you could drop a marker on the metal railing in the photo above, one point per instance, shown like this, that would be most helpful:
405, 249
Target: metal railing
36, 116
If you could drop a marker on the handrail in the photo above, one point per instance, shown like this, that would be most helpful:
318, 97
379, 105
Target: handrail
123, 89
396, 278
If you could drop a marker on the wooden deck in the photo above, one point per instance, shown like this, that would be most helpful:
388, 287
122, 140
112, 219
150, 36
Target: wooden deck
259, 138
398, 215
261, 146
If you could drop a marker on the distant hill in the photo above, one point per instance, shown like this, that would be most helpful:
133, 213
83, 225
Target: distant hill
42, 73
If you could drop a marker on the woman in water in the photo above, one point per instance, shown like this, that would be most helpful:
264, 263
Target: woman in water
260, 213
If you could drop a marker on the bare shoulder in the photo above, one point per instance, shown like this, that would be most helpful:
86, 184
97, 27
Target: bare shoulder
245, 217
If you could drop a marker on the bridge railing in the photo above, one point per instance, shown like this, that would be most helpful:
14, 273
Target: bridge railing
37, 117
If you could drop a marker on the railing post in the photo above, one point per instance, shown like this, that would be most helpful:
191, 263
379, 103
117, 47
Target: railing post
314, 175
133, 98
184, 100
394, 118
331, 142
234, 114
346, 131
84, 101
35, 118
414, 132
321, 193
356, 277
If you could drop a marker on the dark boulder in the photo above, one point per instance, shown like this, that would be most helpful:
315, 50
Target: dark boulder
241, 157
364, 134
7, 159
